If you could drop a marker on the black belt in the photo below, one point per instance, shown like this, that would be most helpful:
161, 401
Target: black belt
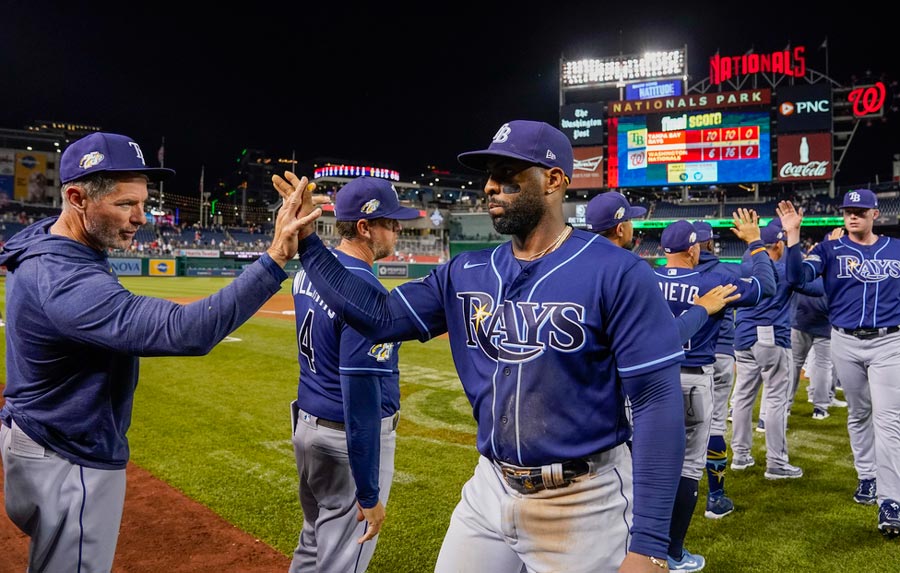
868, 333
535, 479
339, 426
692, 370
330, 424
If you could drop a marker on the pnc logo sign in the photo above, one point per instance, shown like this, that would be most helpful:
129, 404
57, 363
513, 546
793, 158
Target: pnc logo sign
790, 108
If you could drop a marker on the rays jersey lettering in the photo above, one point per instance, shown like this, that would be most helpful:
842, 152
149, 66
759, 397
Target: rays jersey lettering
867, 271
520, 331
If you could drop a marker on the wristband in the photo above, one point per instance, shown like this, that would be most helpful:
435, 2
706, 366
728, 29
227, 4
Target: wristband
661, 563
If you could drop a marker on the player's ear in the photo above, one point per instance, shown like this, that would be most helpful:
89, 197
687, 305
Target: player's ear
74, 196
556, 181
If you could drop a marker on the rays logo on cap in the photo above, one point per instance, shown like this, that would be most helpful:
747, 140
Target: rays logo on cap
854, 196
620, 212
91, 159
370, 206
502, 134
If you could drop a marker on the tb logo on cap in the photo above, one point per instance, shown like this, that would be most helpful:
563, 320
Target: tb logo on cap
502, 134
854, 196
138, 152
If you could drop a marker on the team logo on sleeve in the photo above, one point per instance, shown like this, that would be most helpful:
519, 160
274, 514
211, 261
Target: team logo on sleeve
382, 352
867, 271
521, 331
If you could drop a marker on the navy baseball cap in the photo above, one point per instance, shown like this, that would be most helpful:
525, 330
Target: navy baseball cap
532, 141
772, 233
860, 199
370, 198
678, 236
607, 210
106, 152
704, 231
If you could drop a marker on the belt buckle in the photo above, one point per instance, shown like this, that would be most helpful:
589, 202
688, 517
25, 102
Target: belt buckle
866, 333
521, 479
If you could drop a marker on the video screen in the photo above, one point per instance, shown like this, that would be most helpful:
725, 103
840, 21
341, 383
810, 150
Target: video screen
701, 147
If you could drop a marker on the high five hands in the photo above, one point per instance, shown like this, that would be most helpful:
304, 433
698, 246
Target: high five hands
293, 221
746, 225
297, 193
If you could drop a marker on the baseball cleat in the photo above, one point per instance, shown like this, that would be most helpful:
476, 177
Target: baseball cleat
888, 520
865, 492
742, 462
688, 562
838, 403
761, 426
718, 506
786, 472
819, 414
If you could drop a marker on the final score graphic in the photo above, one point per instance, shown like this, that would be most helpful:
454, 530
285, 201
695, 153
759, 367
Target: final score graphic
689, 148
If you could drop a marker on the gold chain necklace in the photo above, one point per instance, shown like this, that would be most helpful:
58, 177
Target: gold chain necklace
556, 242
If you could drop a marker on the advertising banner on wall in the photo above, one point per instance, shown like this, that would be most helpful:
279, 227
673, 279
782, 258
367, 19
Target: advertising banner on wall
588, 168
582, 123
650, 90
7, 173
126, 267
31, 179
804, 157
803, 108
162, 267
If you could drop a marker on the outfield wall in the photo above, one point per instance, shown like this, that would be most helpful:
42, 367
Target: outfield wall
229, 267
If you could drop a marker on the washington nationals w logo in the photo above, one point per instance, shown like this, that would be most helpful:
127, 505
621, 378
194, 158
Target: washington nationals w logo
521, 331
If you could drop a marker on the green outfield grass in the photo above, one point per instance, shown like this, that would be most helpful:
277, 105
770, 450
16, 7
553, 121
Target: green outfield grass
218, 428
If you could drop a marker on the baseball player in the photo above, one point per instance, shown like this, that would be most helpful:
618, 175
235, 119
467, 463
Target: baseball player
718, 505
862, 283
548, 335
679, 281
762, 341
609, 214
348, 400
811, 343
72, 349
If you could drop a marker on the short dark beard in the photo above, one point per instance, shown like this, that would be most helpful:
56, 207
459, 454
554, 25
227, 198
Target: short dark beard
521, 216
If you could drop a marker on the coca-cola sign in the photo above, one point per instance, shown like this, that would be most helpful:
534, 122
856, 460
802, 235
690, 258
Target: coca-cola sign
804, 157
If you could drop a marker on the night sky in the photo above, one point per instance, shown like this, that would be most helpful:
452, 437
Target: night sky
391, 87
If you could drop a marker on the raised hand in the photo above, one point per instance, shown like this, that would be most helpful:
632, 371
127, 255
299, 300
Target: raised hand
836, 234
746, 225
790, 218
296, 216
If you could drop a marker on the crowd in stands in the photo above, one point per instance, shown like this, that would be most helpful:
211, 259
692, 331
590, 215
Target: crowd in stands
163, 239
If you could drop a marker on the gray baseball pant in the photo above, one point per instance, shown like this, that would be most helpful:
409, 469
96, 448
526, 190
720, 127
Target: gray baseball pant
869, 371
72, 513
820, 369
771, 367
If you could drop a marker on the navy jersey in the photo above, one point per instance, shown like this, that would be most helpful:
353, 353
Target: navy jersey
329, 348
710, 262
860, 281
810, 313
679, 286
74, 335
345, 377
550, 339
547, 352
773, 312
